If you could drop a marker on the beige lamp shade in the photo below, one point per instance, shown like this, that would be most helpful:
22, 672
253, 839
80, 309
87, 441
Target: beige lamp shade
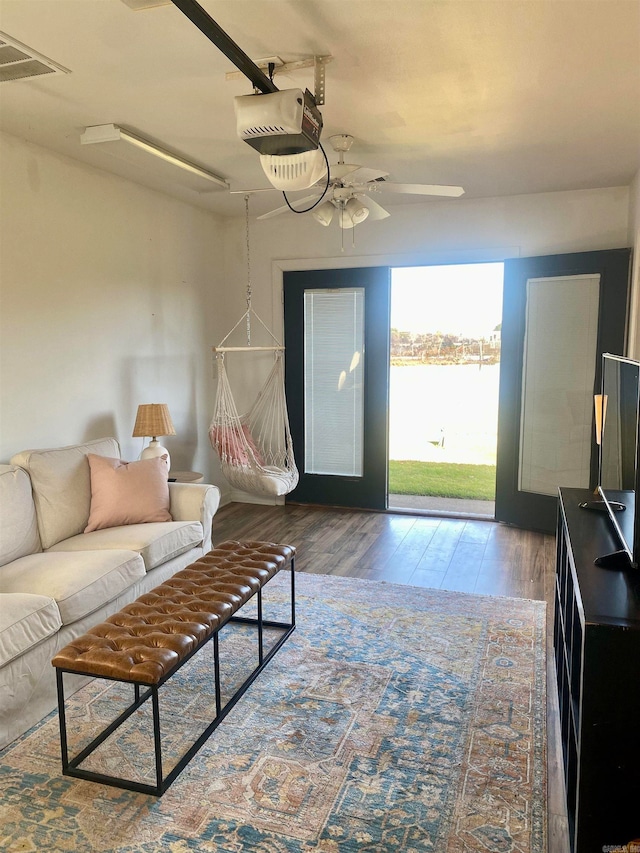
153, 419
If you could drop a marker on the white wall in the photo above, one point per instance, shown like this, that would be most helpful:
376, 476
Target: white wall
107, 300
634, 241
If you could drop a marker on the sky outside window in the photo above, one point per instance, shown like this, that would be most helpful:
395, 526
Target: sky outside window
461, 299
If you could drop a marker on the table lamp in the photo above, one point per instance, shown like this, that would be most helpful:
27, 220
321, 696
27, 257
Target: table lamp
152, 420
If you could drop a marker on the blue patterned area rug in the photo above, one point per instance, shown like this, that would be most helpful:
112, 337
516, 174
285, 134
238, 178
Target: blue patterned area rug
395, 718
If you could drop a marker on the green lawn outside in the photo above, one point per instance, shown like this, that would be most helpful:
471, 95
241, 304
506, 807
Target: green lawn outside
443, 480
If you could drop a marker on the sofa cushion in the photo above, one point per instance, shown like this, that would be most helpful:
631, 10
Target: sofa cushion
18, 523
156, 542
79, 582
127, 492
25, 620
62, 487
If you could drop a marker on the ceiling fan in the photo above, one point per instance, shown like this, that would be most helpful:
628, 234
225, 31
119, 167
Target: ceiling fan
349, 191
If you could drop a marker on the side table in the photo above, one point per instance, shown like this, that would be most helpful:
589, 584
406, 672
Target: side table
185, 477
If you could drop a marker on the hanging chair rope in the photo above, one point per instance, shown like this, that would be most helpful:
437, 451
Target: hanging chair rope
247, 315
255, 449
249, 288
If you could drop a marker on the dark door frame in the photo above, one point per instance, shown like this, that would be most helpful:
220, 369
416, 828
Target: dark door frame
370, 490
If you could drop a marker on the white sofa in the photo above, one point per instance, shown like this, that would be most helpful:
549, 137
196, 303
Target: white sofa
56, 581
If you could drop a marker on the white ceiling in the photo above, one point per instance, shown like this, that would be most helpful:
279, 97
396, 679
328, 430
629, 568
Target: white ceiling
502, 97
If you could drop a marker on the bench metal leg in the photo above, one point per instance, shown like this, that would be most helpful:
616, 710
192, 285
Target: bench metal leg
260, 645
293, 592
216, 666
70, 767
157, 743
62, 720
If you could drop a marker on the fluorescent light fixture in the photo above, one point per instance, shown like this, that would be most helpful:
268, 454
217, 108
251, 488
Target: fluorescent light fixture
114, 133
137, 5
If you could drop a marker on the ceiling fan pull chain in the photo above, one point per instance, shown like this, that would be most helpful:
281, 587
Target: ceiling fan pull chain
246, 210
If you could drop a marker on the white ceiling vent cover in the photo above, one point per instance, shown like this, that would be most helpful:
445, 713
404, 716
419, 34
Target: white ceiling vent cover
18, 62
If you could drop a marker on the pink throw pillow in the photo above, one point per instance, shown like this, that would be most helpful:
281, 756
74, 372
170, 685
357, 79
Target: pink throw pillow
127, 492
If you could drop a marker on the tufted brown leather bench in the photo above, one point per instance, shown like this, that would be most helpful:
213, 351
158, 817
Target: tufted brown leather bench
147, 641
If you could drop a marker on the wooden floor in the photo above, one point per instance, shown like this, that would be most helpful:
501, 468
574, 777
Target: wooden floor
456, 554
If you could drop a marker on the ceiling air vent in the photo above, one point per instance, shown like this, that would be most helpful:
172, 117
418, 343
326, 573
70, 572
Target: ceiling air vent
17, 61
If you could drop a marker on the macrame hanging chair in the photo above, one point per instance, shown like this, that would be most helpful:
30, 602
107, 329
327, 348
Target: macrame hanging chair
255, 449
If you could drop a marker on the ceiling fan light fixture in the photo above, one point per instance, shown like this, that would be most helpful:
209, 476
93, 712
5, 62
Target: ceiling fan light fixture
353, 213
345, 220
324, 213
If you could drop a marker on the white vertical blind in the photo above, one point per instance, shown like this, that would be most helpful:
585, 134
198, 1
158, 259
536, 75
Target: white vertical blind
558, 383
333, 381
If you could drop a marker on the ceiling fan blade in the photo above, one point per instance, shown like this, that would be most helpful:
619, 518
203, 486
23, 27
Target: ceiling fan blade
285, 207
421, 189
251, 192
362, 175
272, 189
339, 171
376, 211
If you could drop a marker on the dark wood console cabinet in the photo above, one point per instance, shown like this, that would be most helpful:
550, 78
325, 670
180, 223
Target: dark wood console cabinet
597, 651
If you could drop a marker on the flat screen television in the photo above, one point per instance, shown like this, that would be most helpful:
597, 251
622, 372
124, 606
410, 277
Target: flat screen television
618, 469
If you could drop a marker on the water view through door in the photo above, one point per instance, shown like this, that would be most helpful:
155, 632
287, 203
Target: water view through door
444, 380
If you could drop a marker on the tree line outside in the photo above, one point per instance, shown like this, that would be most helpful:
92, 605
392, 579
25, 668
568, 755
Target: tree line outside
444, 348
